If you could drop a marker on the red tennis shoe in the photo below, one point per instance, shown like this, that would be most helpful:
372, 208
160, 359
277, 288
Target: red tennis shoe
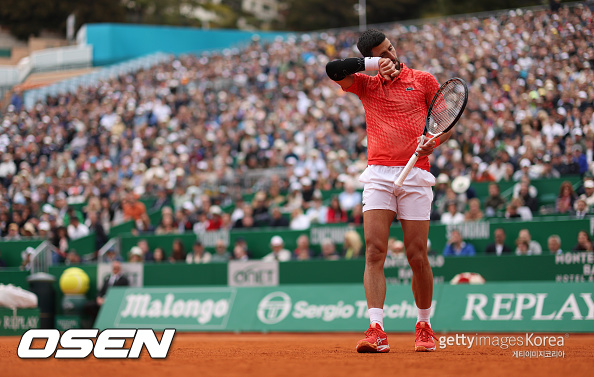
375, 340
424, 337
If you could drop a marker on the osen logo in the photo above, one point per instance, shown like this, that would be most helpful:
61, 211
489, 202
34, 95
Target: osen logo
110, 343
274, 307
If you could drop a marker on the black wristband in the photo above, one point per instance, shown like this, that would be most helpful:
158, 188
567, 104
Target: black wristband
339, 69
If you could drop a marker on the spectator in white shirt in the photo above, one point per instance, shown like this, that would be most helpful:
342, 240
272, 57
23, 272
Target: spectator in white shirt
517, 209
198, 255
533, 191
527, 246
279, 252
526, 170
349, 197
498, 168
299, 220
588, 196
318, 212
315, 165
554, 244
238, 212
76, 229
452, 216
7, 166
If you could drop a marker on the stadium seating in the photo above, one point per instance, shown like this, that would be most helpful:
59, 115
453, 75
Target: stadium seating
203, 124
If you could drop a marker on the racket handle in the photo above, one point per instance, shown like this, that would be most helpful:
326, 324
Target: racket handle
407, 169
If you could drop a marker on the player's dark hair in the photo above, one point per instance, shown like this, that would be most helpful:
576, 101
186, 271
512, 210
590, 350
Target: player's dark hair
368, 40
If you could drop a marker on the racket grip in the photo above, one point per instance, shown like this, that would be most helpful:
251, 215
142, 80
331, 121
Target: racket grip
411, 162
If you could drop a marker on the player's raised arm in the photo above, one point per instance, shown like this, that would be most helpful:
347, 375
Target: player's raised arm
342, 70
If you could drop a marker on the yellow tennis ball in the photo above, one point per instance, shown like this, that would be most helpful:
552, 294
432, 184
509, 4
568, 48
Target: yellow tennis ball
74, 281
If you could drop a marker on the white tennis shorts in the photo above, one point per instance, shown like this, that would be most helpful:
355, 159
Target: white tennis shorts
412, 201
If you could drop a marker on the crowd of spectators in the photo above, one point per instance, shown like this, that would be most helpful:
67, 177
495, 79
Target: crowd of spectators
351, 248
198, 132
524, 244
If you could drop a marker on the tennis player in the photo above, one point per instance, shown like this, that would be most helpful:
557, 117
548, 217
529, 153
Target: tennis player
396, 102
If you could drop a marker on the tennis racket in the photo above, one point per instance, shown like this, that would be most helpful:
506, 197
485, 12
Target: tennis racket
445, 110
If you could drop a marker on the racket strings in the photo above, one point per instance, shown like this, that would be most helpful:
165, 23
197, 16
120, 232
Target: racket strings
447, 106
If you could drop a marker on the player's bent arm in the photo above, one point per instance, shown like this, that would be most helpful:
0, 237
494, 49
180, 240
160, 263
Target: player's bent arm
342, 70
427, 148
346, 82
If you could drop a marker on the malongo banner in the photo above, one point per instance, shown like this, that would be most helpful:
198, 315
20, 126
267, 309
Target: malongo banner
180, 308
498, 307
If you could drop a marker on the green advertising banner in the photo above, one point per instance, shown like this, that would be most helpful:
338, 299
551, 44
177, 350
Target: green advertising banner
159, 308
516, 307
498, 307
18, 321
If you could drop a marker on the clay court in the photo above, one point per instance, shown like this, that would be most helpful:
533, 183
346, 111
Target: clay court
309, 355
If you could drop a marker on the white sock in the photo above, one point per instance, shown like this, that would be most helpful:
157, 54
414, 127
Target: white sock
424, 315
376, 315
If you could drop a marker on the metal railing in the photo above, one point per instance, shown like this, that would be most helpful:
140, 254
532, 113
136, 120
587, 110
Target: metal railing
69, 57
114, 245
52, 59
41, 257
71, 85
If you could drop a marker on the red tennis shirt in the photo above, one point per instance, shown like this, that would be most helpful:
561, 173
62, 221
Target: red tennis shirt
395, 112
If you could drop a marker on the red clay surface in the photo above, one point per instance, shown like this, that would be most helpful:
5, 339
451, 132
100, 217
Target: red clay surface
288, 355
